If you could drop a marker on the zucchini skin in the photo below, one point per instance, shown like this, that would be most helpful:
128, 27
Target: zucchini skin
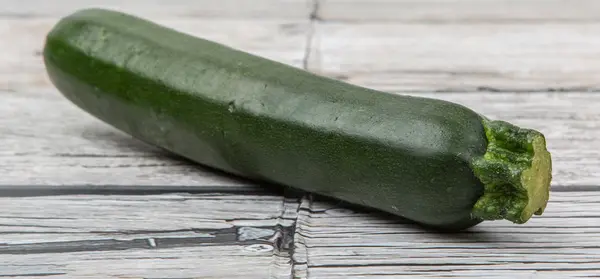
264, 120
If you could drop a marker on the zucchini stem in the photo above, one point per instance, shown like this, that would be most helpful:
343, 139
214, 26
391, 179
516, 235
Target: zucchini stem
516, 171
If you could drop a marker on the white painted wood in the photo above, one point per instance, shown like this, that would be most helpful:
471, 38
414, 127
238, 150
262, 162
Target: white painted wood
459, 45
227, 261
466, 11
44, 219
65, 146
162, 235
342, 243
145, 236
22, 66
459, 56
194, 9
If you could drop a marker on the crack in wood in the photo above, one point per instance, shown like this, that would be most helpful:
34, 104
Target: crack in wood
133, 165
222, 237
283, 239
93, 155
472, 21
314, 18
299, 256
347, 76
575, 188
398, 264
23, 16
314, 13
62, 190
34, 226
36, 218
135, 232
33, 274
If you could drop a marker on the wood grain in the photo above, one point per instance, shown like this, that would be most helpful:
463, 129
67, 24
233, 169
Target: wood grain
459, 56
230, 261
343, 243
198, 9
92, 236
79, 199
464, 11
22, 66
145, 235
65, 146
51, 219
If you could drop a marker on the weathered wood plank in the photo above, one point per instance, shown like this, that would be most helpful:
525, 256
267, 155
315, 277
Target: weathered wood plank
233, 261
22, 66
197, 9
466, 11
459, 56
65, 146
343, 243
237, 236
162, 235
248, 235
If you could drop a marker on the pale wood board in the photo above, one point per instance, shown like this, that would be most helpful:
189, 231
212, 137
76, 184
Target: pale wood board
284, 40
206, 262
197, 9
82, 200
125, 236
179, 235
343, 243
452, 11
459, 56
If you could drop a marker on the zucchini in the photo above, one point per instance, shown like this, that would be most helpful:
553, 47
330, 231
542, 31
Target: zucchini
434, 162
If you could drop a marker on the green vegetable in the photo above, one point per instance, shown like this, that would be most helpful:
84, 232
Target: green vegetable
437, 163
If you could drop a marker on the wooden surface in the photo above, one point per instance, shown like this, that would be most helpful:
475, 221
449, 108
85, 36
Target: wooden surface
79, 199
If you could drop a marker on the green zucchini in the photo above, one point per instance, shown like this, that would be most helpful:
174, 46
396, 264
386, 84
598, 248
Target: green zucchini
434, 162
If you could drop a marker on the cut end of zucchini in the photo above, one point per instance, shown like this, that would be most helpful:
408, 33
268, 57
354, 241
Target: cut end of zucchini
516, 171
